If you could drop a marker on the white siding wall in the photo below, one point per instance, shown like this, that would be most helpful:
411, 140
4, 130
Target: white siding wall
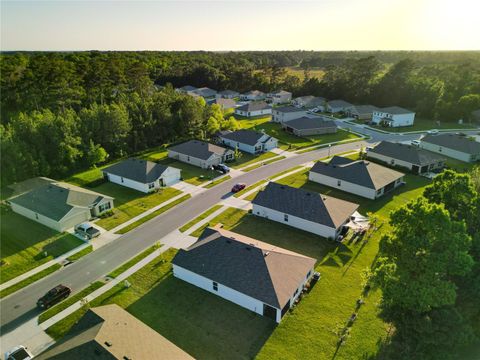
253, 113
278, 116
388, 160
344, 185
129, 183
241, 146
397, 119
213, 160
447, 151
170, 176
294, 221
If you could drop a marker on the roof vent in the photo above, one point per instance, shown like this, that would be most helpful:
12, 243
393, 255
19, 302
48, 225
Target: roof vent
108, 343
266, 254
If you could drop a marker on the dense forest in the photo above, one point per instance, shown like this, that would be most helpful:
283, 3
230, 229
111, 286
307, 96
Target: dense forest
64, 111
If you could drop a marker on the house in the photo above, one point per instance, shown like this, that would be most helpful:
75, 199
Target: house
58, 205
225, 104
456, 146
205, 92
361, 112
187, 89
142, 175
250, 141
279, 97
307, 126
310, 102
359, 177
110, 332
309, 211
411, 157
393, 116
200, 153
337, 106
260, 277
287, 113
254, 108
227, 94
253, 95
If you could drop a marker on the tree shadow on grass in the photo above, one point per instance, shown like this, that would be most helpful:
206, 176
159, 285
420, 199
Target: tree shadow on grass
202, 324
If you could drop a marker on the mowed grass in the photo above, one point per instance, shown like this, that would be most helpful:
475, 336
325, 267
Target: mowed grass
247, 123
130, 203
247, 159
200, 218
218, 181
24, 243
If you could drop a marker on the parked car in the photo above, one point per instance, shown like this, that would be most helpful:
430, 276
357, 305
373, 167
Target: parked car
87, 230
415, 142
54, 296
18, 353
433, 132
238, 187
222, 168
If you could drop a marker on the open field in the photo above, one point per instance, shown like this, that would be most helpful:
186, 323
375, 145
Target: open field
300, 73
24, 243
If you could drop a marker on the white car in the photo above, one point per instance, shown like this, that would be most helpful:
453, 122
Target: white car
18, 353
415, 142
433, 132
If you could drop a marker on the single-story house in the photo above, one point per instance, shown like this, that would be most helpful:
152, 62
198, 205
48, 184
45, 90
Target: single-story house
110, 332
337, 106
306, 126
187, 89
287, 113
250, 141
393, 116
309, 211
227, 94
456, 146
361, 112
200, 153
58, 205
359, 177
310, 102
225, 103
260, 277
142, 175
253, 95
279, 97
411, 157
205, 92
254, 108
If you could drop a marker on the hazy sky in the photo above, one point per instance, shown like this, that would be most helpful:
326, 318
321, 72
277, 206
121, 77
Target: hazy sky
241, 25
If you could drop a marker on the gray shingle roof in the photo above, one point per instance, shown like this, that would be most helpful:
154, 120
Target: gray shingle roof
395, 110
244, 136
188, 88
254, 92
288, 109
453, 141
409, 153
280, 92
254, 268
360, 172
308, 205
255, 106
143, 171
305, 123
228, 92
364, 109
205, 92
57, 199
199, 149
339, 103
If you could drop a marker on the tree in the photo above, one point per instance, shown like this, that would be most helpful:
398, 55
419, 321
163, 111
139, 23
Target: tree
469, 103
95, 154
212, 126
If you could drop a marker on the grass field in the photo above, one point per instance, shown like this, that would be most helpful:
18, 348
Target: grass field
24, 242
300, 73
247, 123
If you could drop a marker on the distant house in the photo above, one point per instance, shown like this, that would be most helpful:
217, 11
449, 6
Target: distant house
254, 108
279, 97
305, 210
361, 112
200, 153
253, 95
227, 94
186, 89
260, 277
58, 205
109, 332
287, 113
456, 146
393, 116
309, 102
411, 157
250, 141
142, 175
337, 106
226, 104
205, 92
359, 177
307, 126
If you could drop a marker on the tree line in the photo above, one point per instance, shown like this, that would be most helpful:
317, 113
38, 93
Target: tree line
64, 111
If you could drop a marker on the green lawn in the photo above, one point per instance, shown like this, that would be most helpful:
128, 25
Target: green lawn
124, 267
247, 159
218, 181
247, 123
81, 253
24, 241
200, 218
422, 124
130, 203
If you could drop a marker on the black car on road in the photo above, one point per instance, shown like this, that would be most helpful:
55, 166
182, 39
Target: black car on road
54, 296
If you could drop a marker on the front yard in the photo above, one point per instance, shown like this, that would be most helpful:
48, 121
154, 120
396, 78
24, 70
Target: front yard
24, 243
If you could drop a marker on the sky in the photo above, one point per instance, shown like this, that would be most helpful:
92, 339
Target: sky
240, 25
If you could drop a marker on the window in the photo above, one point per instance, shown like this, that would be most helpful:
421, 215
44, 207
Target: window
151, 185
339, 183
215, 286
104, 207
285, 217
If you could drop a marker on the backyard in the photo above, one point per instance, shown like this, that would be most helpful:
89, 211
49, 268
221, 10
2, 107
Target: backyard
24, 243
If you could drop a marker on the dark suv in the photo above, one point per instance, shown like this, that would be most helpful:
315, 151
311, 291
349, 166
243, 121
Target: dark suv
222, 168
57, 294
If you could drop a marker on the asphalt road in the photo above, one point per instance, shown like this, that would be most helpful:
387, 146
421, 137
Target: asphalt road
20, 306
